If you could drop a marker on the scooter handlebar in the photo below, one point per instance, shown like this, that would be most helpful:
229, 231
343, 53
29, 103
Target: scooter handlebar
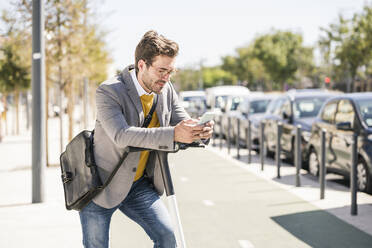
178, 146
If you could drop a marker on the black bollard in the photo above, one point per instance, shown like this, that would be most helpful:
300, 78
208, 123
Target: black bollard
214, 135
249, 141
238, 138
353, 175
220, 134
298, 155
322, 169
228, 134
262, 145
278, 148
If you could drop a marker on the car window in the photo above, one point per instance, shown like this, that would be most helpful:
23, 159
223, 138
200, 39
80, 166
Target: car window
308, 107
278, 106
328, 114
235, 102
365, 109
286, 108
345, 112
258, 106
271, 107
220, 101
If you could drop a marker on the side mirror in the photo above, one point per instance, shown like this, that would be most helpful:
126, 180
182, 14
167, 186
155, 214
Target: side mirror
288, 117
346, 126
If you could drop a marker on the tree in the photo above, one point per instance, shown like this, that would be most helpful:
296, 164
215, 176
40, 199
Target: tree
213, 76
247, 68
347, 48
74, 47
281, 54
15, 64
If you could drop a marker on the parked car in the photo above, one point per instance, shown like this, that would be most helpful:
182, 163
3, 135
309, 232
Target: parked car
230, 110
295, 107
194, 102
342, 117
217, 98
253, 107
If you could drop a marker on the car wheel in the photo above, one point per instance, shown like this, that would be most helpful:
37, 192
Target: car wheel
313, 163
363, 180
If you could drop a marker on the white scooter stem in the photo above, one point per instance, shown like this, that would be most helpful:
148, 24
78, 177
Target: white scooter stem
173, 207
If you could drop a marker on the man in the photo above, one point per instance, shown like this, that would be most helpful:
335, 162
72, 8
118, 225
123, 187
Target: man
122, 104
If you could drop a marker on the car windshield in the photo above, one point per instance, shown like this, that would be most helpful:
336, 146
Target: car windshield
365, 109
308, 107
235, 102
258, 106
194, 98
220, 101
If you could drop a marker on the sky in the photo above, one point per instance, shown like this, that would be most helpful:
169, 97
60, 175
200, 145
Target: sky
207, 30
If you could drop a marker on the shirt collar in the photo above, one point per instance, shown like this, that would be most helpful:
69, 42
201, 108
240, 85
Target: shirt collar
139, 88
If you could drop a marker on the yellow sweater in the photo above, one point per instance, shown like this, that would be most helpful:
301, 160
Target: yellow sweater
146, 101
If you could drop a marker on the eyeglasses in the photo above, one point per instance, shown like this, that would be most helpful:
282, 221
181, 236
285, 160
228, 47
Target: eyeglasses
162, 72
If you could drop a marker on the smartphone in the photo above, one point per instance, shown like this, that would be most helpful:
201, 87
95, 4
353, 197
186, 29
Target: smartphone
206, 117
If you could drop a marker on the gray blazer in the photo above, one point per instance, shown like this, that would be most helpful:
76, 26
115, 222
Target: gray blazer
119, 120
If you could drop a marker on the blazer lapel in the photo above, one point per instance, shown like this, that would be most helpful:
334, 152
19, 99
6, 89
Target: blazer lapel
159, 110
132, 92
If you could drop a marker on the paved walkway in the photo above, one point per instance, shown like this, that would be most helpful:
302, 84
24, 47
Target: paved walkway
223, 203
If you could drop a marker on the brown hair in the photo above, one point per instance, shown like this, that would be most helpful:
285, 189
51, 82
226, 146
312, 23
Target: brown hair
151, 45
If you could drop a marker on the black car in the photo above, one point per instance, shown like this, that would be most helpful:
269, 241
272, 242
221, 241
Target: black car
296, 107
342, 117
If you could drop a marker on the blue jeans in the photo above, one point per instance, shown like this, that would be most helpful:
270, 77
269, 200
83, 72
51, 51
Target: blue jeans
142, 205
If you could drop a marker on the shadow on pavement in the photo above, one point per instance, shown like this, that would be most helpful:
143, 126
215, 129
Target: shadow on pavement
313, 181
322, 229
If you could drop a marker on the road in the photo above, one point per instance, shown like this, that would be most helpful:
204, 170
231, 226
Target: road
223, 205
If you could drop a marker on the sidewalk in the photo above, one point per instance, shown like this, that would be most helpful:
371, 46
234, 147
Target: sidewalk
337, 193
49, 224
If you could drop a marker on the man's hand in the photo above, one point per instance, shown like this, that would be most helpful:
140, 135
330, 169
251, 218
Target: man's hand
207, 131
187, 131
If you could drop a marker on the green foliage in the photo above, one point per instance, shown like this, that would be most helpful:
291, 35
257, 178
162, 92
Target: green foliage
13, 75
271, 60
282, 54
347, 48
192, 79
74, 44
216, 76
246, 67
187, 79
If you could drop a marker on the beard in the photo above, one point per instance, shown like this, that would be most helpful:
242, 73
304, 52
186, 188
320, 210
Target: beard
152, 84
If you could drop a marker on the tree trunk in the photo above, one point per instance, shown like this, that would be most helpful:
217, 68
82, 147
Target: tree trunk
92, 100
61, 112
1, 120
85, 103
16, 99
1, 127
70, 111
28, 119
5, 113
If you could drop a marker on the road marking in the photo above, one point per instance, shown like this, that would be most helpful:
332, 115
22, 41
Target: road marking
184, 179
208, 203
245, 244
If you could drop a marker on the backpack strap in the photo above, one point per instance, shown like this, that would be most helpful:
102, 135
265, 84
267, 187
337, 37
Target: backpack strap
148, 118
